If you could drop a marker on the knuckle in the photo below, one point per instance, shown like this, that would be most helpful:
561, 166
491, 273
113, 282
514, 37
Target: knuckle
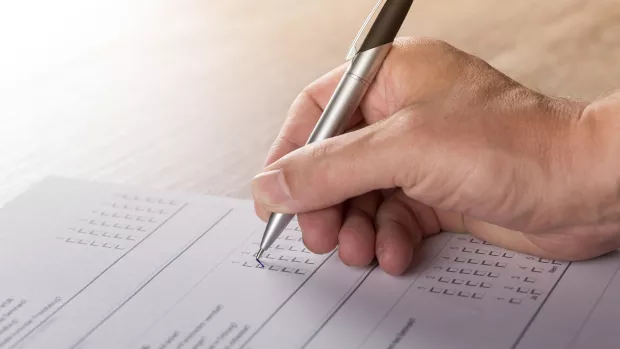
280, 148
320, 150
424, 44
435, 44
396, 211
302, 98
321, 159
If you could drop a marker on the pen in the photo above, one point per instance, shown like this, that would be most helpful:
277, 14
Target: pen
376, 39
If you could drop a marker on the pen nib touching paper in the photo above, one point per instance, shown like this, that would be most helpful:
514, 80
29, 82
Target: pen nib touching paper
261, 263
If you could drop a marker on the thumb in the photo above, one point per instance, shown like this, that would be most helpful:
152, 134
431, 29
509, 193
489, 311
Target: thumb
327, 173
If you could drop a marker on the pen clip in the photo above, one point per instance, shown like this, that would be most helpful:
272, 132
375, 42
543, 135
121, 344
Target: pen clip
361, 35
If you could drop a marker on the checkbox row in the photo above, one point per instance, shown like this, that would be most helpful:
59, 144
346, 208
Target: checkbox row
482, 251
474, 272
452, 292
482, 262
472, 283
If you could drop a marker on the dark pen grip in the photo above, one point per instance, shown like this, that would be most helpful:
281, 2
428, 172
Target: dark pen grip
387, 24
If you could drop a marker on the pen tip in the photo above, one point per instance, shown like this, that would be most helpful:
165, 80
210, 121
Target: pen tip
259, 253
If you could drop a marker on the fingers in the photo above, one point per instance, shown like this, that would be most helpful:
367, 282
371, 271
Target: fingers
304, 113
398, 234
356, 239
302, 117
320, 229
401, 225
330, 172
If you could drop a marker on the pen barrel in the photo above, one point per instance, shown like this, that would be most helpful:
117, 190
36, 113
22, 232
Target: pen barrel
337, 114
349, 93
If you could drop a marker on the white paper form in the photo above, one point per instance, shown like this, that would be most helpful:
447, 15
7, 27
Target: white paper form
89, 265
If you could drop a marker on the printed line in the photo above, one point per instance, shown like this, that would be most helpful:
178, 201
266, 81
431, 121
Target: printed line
341, 303
148, 281
572, 342
194, 286
405, 293
539, 308
95, 279
286, 301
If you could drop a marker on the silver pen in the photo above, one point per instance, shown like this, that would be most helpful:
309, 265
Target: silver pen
376, 37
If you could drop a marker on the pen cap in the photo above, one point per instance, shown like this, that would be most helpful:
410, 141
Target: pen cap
388, 23
381, 26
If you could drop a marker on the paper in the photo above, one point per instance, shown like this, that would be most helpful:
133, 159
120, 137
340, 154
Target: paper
88, 265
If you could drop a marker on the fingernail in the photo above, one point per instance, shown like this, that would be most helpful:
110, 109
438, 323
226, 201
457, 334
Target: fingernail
271, 189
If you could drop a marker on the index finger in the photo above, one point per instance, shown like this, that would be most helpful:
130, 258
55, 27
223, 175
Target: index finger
320, 228
301, 119
304, 114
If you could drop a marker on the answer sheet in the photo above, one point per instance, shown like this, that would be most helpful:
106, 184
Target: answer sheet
101, 266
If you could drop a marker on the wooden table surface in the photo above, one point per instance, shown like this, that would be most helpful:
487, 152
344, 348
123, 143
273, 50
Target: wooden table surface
188, 95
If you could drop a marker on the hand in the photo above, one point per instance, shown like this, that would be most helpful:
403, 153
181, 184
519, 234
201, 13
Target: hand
442, 141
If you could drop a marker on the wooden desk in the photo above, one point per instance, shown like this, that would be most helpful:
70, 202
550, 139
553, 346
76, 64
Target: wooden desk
188, 94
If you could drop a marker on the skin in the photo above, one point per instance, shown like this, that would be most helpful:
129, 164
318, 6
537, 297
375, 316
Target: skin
444, 142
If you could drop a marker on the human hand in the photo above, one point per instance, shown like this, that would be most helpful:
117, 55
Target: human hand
443, 141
